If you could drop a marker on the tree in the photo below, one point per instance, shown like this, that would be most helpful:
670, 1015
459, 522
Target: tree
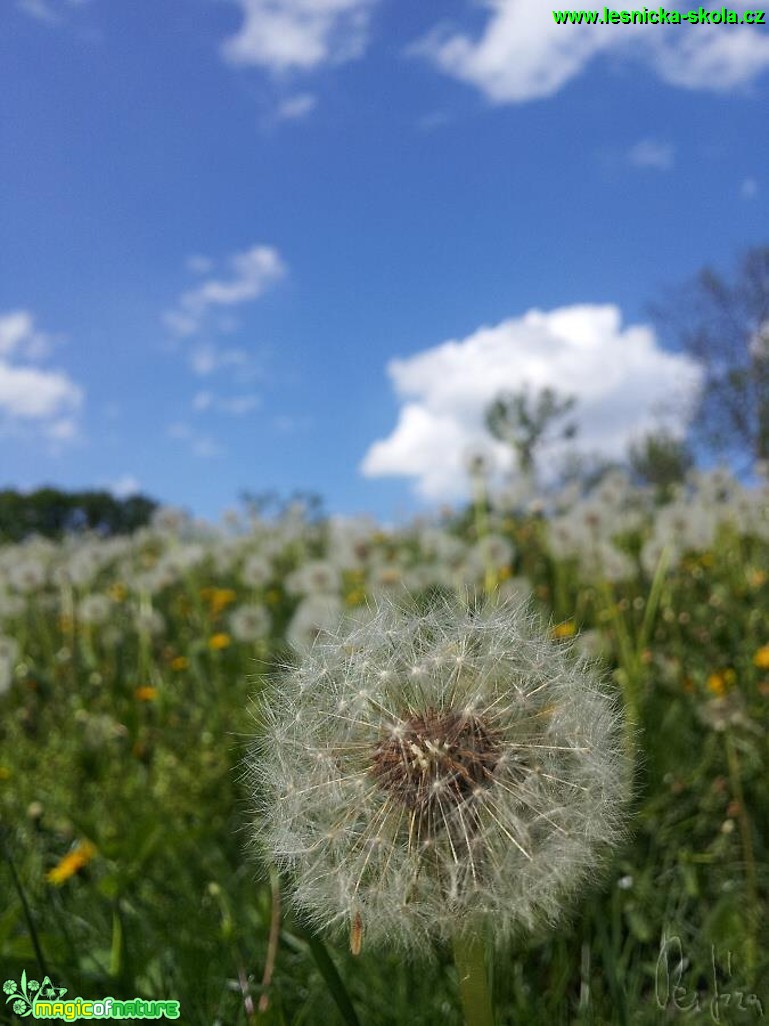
660, 459
526, 421
52, 513
724, 324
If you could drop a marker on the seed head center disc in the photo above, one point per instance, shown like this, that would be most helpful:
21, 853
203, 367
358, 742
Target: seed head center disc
436, 758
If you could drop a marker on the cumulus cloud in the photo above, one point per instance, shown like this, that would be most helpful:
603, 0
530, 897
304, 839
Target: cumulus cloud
651, 153
299, 35
521, 54
32, 396
619, 375
251, 273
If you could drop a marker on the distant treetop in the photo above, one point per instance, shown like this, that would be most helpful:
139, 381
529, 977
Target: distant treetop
53, 513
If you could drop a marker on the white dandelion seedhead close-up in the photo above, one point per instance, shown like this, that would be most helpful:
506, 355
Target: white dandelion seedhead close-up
427, 774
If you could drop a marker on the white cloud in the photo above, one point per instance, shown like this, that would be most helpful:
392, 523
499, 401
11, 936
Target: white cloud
199, 264
125, 486
65, 429
712, 57
206, 448
652, 153
748, 188
207, 358
299, 35
29, 393
206, 311
522, 54
32, 396
49, 12
294, 108
19, 337
39, 10
235, 406
251, 274
620, 377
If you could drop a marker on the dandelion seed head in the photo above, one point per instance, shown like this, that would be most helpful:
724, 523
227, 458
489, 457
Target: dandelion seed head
482, 788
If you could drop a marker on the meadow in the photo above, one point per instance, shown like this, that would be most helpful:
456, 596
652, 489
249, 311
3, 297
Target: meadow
129, 669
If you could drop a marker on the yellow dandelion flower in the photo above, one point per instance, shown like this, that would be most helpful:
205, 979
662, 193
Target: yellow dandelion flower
179, 663
761, 658
219, 641
117, 592
72, 863
756, 578
218, 598
721, 681
146, 693
564, 630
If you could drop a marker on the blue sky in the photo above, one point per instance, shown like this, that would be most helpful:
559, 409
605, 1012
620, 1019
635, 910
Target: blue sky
299, 244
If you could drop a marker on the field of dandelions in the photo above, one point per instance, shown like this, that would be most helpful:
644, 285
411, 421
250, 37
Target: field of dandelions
129, 668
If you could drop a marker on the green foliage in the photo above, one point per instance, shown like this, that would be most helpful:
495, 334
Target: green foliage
51, 513
660, 460
525, 421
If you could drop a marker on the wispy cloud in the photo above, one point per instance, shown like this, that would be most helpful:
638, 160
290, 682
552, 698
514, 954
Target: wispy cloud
652, 153
521, 54
199, 443
295, 108
234, 405
748, 188
250, 274
207, 358
48, 12
299, 35
619, 375
124, 486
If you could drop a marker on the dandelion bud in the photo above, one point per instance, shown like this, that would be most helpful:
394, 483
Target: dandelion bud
426, 775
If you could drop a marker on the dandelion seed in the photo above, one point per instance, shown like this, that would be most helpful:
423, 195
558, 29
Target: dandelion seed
411, 807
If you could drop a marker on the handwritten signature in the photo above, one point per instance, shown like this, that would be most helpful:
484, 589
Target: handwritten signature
671, 990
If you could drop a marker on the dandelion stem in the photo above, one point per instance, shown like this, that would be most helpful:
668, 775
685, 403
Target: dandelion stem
470, 960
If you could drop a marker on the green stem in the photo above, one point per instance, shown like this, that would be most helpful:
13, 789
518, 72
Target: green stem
482, 532
746, 836
470, 960
653, 601
24, 904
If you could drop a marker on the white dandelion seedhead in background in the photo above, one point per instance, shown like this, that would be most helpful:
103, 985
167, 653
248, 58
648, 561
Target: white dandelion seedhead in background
426, 774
